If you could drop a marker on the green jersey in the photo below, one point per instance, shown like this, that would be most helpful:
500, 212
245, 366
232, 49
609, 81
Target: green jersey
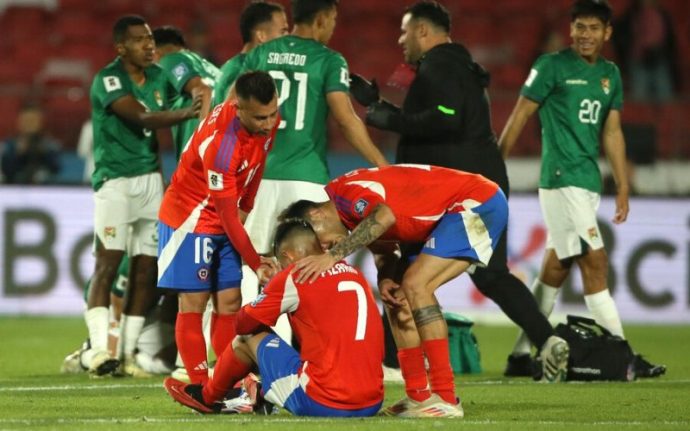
228, 74
575, 99
181, 67
121, 148
305, 71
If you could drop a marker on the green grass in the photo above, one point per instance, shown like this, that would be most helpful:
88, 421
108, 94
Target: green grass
33, 395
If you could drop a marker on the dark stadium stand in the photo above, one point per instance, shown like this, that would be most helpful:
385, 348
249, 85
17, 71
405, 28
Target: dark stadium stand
51, 51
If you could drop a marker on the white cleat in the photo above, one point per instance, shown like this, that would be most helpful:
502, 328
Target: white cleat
130, 368
102, 364
399, 407
72, 363
554, 360
434, 407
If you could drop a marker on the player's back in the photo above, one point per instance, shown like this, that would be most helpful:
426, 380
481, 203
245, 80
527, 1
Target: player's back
419, 195
305, 71
341, 336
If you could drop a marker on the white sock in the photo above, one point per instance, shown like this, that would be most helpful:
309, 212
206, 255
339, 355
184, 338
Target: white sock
206, 324
130, 329
98, 322
604, 311
546, 299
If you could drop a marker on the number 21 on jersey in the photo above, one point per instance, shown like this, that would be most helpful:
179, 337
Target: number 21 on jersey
285, 87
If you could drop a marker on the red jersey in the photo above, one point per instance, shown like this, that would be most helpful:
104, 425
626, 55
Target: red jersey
339, 329
221, 160
418, 195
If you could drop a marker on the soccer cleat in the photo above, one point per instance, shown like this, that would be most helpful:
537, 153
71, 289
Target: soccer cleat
130, 368
189, 396
72, 363
645, 369
252, 386
521, 365
392, 375
241, 404
181, 374
554, 359
434, 407
399, 407
103, 364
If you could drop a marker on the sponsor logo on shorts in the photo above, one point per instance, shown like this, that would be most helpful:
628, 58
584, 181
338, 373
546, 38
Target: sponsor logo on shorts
431, 243
593, 233
273, 343
360, 206
202, 273
109, 232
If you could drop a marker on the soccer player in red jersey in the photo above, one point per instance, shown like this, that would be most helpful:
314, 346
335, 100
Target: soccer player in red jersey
202, 240
338, 370
445, 221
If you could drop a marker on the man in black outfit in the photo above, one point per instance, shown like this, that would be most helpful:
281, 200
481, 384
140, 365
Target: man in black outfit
445, 121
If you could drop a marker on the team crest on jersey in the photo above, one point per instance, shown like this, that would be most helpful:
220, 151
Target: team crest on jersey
215, 180
202, 273
109, 232
157, 96
606, 85
360, 206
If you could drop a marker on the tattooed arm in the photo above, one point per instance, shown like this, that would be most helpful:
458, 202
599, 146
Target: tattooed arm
367, 231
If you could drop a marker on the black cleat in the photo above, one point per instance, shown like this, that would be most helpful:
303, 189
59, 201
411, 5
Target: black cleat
520, 366
645, 369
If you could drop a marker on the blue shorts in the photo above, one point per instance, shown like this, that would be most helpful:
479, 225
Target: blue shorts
279, 365
471, 234
194, 262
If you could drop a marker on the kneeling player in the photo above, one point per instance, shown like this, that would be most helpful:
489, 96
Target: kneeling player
336, 321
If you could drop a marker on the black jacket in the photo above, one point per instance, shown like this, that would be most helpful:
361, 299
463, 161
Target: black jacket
446, 117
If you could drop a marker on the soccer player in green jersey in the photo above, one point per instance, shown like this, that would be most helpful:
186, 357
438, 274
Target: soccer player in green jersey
312, 82
192, 76
579, 96
128, 102
260, 22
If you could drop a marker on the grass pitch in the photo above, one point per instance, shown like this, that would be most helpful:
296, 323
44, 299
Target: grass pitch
34, 396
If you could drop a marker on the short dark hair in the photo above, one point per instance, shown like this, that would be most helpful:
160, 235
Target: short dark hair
256, 84
304, 11
254, 14
288, 229
431, 11
123, 23
169, 35
595, 8
298, 210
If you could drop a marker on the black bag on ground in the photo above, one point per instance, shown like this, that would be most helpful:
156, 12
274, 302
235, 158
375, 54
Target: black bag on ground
596, 354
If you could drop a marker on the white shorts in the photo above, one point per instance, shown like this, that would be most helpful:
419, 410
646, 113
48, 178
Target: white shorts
124, 203
272, 198
570, 215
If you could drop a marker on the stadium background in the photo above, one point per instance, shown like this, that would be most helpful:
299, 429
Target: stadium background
52, 48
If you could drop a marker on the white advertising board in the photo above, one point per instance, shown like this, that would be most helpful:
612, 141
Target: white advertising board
45, 256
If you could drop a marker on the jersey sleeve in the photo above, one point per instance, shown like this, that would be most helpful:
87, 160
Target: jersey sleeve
110, 86
355, 199
219, 164
617, 100
541, 79
278, 297
337, 75
180, 70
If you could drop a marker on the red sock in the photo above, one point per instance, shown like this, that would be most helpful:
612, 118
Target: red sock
222, 331
228, 371
192, 347
440, 371
413, 371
